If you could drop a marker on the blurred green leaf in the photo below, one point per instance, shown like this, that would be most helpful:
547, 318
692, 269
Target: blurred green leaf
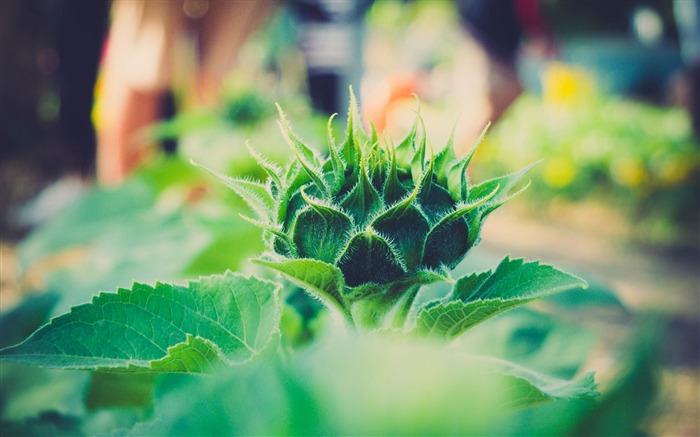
347, 385
25, 318
529, 387
533, 339
88, 219
167, 211
28, 391
255, 399
157, 247
125, 390
634, 390
621, 410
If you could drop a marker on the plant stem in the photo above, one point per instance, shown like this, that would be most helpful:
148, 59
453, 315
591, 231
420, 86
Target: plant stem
405, 308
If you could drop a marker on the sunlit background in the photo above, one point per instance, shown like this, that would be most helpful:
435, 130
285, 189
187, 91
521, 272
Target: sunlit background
104, 104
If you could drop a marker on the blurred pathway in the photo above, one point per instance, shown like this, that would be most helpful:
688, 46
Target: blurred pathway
642, 278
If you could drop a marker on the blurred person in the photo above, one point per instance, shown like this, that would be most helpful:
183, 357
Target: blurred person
499, 29
79, 33
144, 60
495, 31
331, 33
55, 150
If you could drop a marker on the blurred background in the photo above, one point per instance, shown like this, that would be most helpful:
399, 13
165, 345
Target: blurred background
104, 104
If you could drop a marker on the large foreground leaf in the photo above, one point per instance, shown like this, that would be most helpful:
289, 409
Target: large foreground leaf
359, 385
476, 298
219, 319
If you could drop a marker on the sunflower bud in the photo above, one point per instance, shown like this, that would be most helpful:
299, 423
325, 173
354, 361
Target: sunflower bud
365, 226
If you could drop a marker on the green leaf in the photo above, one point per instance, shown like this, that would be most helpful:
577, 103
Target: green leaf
425, 389
395, 289
528, 387
450, 320
255, 194
115, 389
636, 389
315, 174
534, 339
517, 279
86, 219
290, 200
196, 355
323, 281
417, 388
513, 283
375, 164
167, 245
467, 284
260, 399
168, 327
426, 182
457, 180
276, 232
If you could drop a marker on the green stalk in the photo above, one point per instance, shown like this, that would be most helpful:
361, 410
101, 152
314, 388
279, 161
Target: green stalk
405, 306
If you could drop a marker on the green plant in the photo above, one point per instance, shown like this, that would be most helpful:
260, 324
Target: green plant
365, 228
362, 230
638, 160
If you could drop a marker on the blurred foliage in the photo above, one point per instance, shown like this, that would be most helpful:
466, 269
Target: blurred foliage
640, 160
170, 220
415, 35
150, 228
216, 137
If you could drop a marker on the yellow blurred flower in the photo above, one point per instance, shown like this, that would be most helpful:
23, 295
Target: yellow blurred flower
96, 112
564, 84
628, 172
674, 172
559, 172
